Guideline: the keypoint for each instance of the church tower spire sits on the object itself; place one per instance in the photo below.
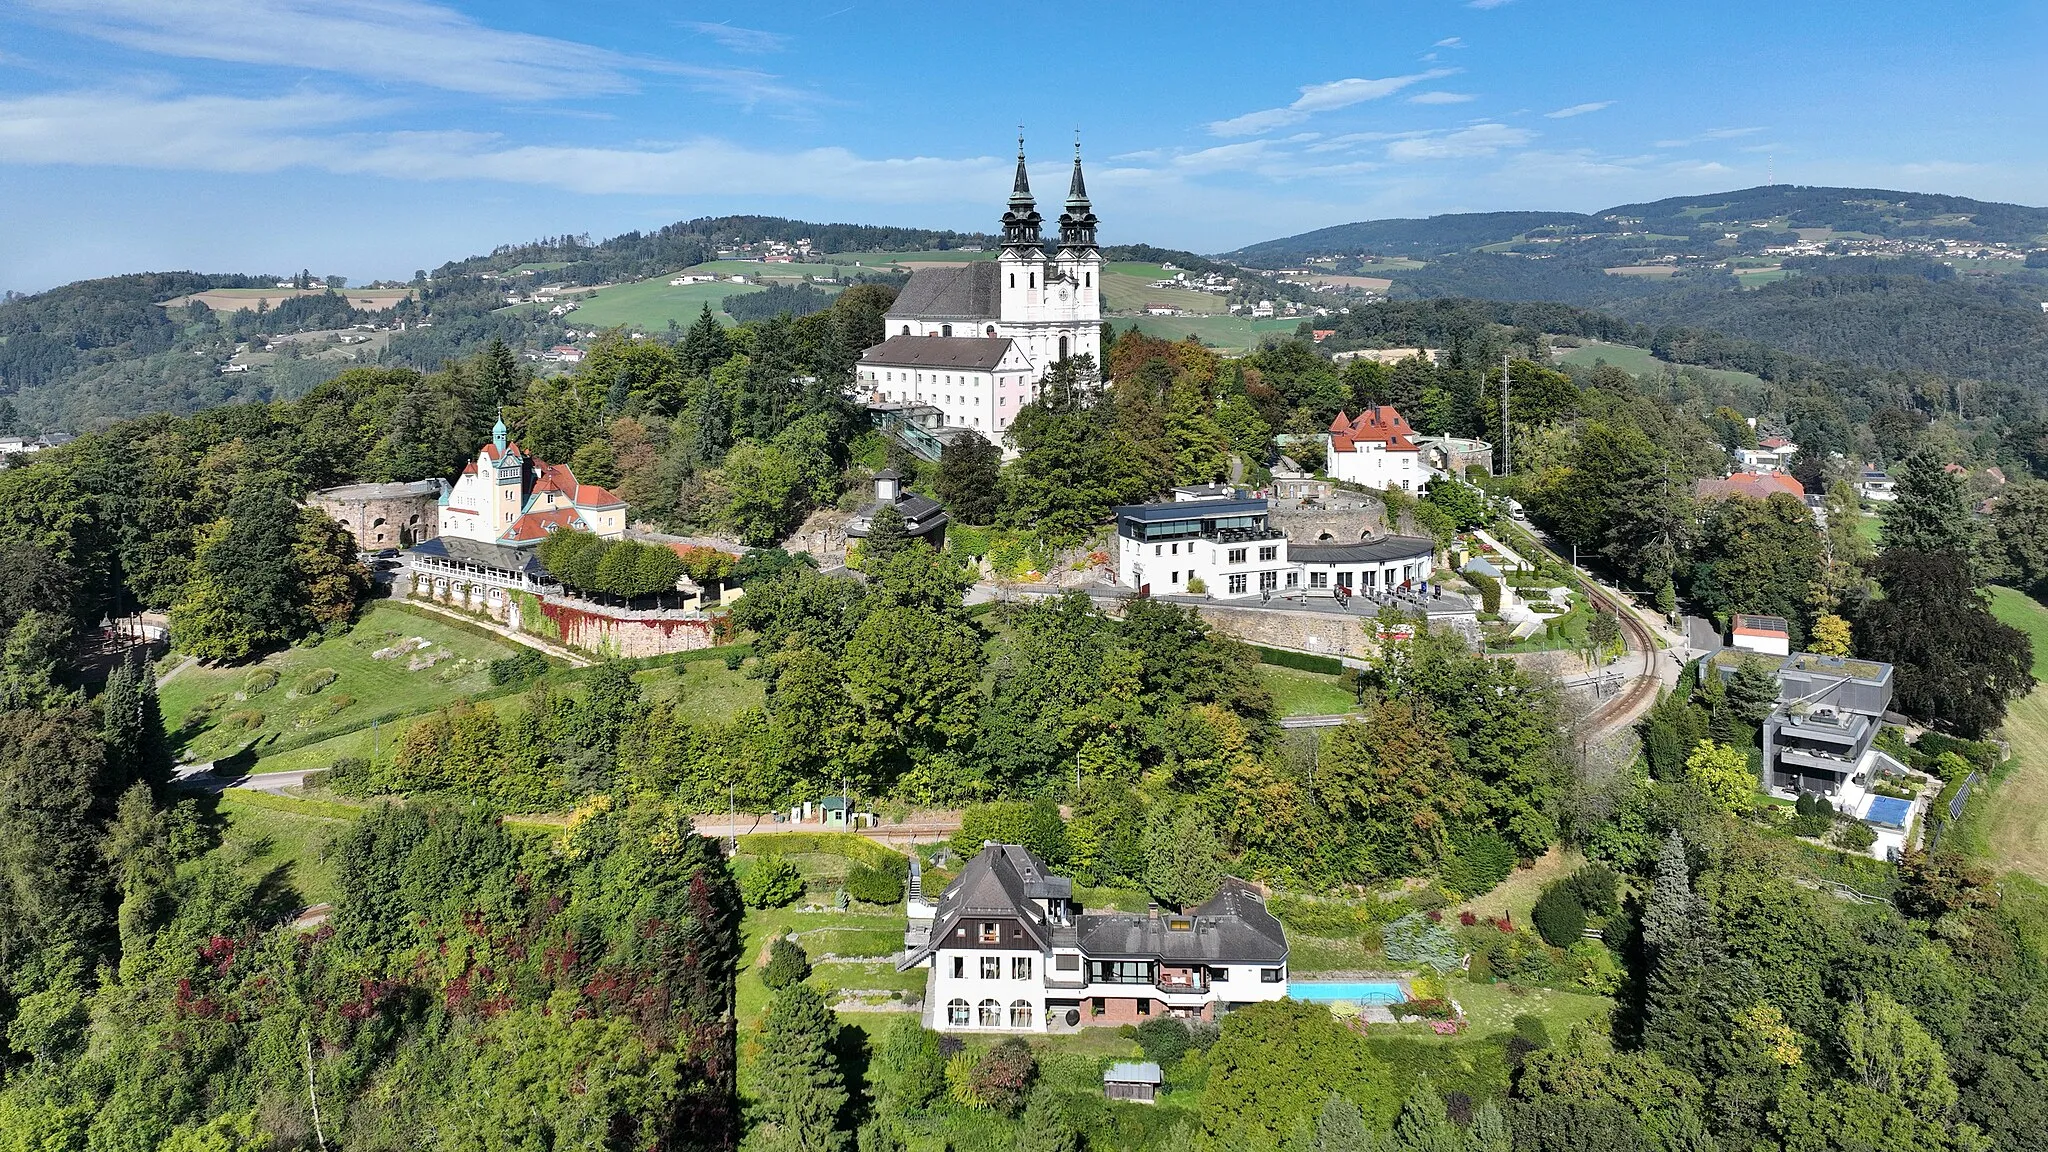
(1020, 223)
(1077, 223)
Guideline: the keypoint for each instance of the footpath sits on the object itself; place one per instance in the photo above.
(568, 656)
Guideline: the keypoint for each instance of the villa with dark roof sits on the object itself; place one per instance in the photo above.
(1008, 949)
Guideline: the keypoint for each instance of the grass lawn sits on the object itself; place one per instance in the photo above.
(1309, 955)
(217, 712)
(1301, 693)
(2015, 813)
(1127, 287)
(281, 845)
(1638, 361)
(1492, 1008)
(1868, 526)
(2027, 614)
(1517, 894)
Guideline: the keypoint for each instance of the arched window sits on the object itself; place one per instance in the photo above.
(1032, 279)
(991, 331)
(906, 329)
(1020, 1014)
(377, 523)
(945, 329)
(991, 1014)
(956, 1013)
(1087, 279)
(1063, 347)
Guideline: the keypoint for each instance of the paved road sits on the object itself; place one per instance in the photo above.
(1319, 721)
(202, 778)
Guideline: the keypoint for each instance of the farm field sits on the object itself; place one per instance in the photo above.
(212, 713)
(1760, 277)
(243, 299)
(1367, 283)
(2027, 614)
(1127, 287)
(1226, 333)
(648, 305)
(1638, 361)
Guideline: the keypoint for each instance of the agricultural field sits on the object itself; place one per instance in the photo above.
(244, 299)
(1758, 277)
(1652, 271)
(1639, 362)
(1224, 333)
(392, 663)
(1126, 287)
(648, 305)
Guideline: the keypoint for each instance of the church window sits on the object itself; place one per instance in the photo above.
(991, 331)
(906, 329)
(1033, 278)
(945, 329)
(1087, 279)
(1063, 347)
(1013, 279)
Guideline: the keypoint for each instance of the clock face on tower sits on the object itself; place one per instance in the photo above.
(1063, 295)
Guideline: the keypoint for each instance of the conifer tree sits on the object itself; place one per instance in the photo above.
(706, 345)
(1489, 1131)
(1340, 1127)
(132, 725)
(800, 1087)
(1425, 1124)
(887, 535)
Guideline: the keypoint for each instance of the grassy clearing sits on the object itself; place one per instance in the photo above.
(648, 305)
(1516, 895)
(1127, 287)
(281, 848)
(1306, 693)
(1638, 361)
(216, 712)
(2015, 813)
(1492, 1008)
(2027, 614)
(712, 691)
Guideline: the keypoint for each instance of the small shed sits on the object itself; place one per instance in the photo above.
(833, 811)
(1132, 1080)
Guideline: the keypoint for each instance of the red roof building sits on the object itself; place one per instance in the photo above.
(1755, 485)
(508, 497)
(1376, 449)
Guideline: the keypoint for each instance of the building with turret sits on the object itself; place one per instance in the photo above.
(973, 340)
(510, 498)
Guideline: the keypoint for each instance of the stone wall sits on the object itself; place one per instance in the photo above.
(620, 633)
(398, 521)
(1329, 634)
(1329, 525)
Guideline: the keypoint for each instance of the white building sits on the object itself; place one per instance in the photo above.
(1204, 541)
(1377, 450)
(1026, 310)
(1009, 950)
(508, 498)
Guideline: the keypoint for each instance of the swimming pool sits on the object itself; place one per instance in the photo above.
(1359, 991)
(1889, 811)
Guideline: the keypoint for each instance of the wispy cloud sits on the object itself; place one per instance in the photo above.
(739, 39)
(1450, 42)
(311, 130)
(1482, 139)
(1442, 98)
(1316, 98)
(1484, 4)
(392, 42)
(1709, 134)
(1580, 109)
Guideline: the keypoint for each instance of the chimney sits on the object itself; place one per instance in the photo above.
(888, 482)
(1152, 910)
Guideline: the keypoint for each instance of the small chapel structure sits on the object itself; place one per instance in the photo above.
(972, 341)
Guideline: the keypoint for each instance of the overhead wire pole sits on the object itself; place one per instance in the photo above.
(1507, 462)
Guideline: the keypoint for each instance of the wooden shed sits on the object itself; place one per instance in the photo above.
(1132, 1080)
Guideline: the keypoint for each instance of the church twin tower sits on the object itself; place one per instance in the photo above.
(1054, 304)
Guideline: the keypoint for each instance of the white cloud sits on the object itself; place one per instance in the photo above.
(1484, 4)
(1483, 139)
(1316, 98)
(387, 41)
(1450, 42)
(1441, 98)
(1580, 109)
(739, 39)
(1709, 134)
(235, 134)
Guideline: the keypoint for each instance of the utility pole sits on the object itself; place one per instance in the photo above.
(1507, 462)
(732, 821)
(314, 1097)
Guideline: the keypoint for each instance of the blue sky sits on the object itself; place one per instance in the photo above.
(373, 137)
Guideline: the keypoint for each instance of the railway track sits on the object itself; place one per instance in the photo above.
(1640, 692)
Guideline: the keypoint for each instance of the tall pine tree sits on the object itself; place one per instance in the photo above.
(800, 1087)
(132, 726)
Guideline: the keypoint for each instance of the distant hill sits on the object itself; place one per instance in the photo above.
(1675, 224)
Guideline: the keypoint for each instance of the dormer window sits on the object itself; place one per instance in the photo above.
(1180, 925)
(991, 933)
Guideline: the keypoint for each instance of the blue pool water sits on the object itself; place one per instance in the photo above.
(1358, 991)
(1888, 811)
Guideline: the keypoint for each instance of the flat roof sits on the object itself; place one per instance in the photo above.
(1189, 510)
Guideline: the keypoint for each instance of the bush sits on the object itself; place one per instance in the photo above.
(259, 681)
(1558, 915)
(772, 882)
(312, 682)
(1036, 824)
(1002, 1078)
(246, 720)
(876, 885)
(1531, 1029)
(1197, 586)
(1857, 836)
(1489, 590)
(527, 665)
(1300, 661)
(1424, 1009)
(1594, 887)
(1477, 864)
(788, 964)
(1165, 1040)
(350, 776)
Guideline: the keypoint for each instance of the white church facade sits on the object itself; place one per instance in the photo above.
(974, 340)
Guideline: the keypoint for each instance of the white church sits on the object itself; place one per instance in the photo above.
(975, 339)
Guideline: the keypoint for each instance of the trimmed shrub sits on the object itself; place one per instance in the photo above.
(312, 682)
(1477, 863)
(772, 882)
(1857, 836)
(876, 885)
(1489, 589)
(259, 681)
(788, 964)
(246, 720)
(1558, 916)
(1164, 1039)
(1300, 661)
(1594, 887)
(527, 665)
